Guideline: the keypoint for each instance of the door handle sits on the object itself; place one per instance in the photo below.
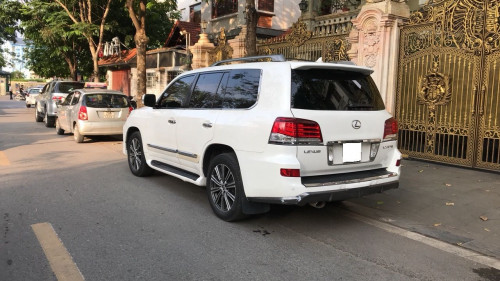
(171, 121)
(207, 125)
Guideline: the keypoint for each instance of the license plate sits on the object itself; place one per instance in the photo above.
(351, 152)
(108, 114)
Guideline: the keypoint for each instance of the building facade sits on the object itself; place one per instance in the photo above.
(14, 56)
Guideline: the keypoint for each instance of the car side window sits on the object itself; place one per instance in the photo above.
(76, 98)
(205, 91)
(242, 88)
(67, 100)
(176, 96)
(45, 89)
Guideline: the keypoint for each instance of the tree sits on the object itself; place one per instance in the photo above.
(89, 18)
(48, 28)
(9, 14)
(252, 18)
(138, 11)
(17, 75)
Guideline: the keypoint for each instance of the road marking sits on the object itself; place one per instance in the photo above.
(4, 161)
(443, 246)
(59, 259)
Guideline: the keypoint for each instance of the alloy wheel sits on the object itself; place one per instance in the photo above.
(135, 153)
(222, 187)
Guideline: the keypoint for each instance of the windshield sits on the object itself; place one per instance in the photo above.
(330, 89)
(103, 100)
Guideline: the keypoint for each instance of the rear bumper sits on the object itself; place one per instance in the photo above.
(100, 128)
(327, 196)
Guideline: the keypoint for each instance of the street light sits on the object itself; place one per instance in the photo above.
(303, 6)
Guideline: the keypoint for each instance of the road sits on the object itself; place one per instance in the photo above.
(115, 226)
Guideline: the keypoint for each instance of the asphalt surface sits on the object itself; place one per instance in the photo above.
(120, 227)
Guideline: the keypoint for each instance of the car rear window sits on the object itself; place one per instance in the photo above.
(67, 87)
(324, 89)
(106, 101)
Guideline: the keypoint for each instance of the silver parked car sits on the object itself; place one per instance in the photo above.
(52, 92)
(92, 112)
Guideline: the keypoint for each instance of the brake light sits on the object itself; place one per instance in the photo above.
(292, 173)
(295, 131)
(82, 114)
(56, 98)
(391, 129)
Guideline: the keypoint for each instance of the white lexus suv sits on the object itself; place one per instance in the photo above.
(273, 132)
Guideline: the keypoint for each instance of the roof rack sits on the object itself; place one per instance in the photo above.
(274, 58)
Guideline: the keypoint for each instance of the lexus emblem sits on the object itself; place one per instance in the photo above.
(356, 124)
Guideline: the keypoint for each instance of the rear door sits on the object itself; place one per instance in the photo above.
(351, 115)
(63, 113)
(195, 124)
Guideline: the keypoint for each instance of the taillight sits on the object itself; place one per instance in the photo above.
(295, 131)
(82, 114)
(391, 129)
(130, 110)
(295, 173)
(56, 98)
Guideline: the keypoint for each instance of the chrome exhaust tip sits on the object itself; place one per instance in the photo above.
(318, 205)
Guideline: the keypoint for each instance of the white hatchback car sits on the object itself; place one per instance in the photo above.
(31, 95)
(259, 133)
(92, 112)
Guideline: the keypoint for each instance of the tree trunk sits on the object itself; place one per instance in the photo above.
(71, 66)
(252, 18)
(95, 59)
(141, 41)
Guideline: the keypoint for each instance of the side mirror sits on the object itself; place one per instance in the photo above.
(149, 100)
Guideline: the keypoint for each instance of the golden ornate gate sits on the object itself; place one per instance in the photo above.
(448, 104)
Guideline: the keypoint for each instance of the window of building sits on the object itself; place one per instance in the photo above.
(266, 5)
(171, 75)
(150, 79)
(195, 13)
(224, 7)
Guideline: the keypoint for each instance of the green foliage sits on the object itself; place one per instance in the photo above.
(17, 75)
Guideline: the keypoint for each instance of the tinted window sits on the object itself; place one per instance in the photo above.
(67, 87)
(76, 98)
(205, 92)
(67, 100)
(177, 94)
(321, 89)
(106, 100)
(242, 88)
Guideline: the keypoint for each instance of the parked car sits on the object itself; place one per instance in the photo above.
(45, 102)
(260, 133)
(92, 112)
(31, 95)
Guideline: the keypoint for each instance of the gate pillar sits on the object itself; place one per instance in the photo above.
(201, 52)
(375, 43)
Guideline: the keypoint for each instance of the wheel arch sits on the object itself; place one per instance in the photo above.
(212, 151)
(129, 132)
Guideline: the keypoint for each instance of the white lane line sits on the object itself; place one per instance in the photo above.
(59, 259)
(443, 246)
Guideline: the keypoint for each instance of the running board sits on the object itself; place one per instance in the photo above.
(175, 170)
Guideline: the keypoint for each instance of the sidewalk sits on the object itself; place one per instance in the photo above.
(456, 205)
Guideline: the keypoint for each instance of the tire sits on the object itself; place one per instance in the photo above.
(59, 131)
(38, 118)
(76, 134)
(49, 121)
(135, 154)
(28, 105)
(225, 187)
